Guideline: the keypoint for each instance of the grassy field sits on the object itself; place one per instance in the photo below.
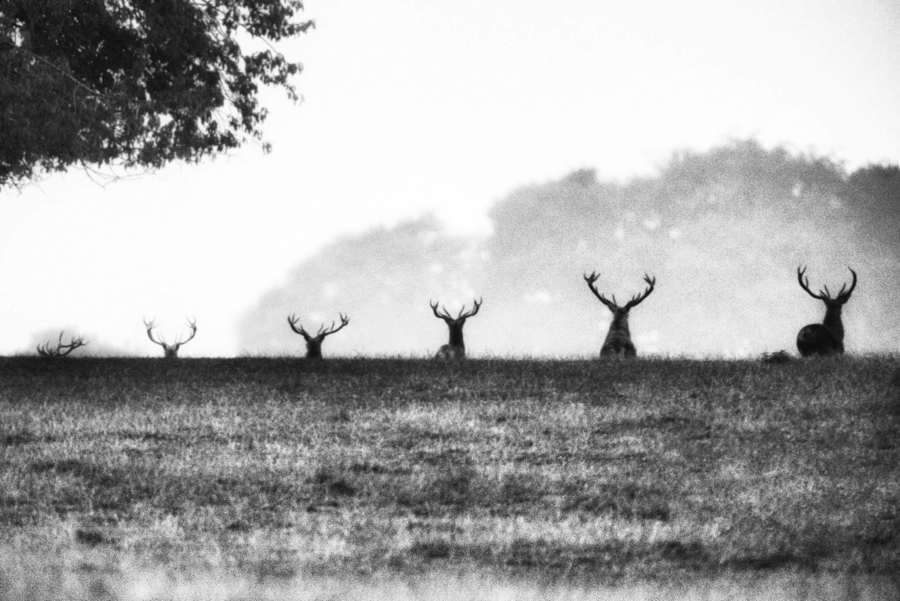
(612, 473)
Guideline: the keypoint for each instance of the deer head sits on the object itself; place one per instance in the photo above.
(827, 337)
(455, 347)
(618, 339)
(314, 343)
(170, 351)
(62, 349)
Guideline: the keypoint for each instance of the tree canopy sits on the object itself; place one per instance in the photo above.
(136, 82)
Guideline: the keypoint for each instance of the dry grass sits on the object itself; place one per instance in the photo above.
(622, 472)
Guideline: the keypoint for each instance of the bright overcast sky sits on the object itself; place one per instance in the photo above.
(413, 106)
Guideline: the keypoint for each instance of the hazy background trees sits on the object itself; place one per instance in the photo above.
(136, 83)
(723, 231)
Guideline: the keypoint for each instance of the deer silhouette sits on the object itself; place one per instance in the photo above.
(618, 338)
(314, 343)
(826, 338)
(62, 349)
(455, 347)
(170, 351)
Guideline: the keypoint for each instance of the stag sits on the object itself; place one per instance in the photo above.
(170, 351)
(314, 343)
(826, 338)
(455, 347)
(62, 349)
(618, 339)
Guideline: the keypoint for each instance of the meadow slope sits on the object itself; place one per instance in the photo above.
(613, 472)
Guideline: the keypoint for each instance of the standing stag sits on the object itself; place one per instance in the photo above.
(170, 351)
(826, 338)
(455, 347)
(618, 339)
(314, 343)
(62, 349)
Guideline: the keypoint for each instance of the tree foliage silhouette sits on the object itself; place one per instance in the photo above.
(137, 82)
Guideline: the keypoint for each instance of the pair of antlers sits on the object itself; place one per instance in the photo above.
(461, 316)
(294, 322)
(62, 349)
(611, 302)
(192, 324)
(824, 294)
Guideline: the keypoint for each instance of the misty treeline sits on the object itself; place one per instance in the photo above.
(723, 231)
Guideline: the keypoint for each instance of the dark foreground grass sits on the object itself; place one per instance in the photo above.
(612, 472)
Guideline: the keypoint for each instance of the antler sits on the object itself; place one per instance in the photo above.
(61, 350)
(591, 280)
(293, 320)
(463, 314)
(150, 325)
(804, 283)
(192, 324)
(476, 305)
(445, 315)
(842, 296)
(638, 298)
(323, 332)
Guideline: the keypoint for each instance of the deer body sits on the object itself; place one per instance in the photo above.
(618, 339)
(818, 339)
(313, 349)
(826, 338)
(314, 342)
(170, 351)
(455, 347)
(450, 352)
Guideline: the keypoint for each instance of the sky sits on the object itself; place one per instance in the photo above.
(415, 107)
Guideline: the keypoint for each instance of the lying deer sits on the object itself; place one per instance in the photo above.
(314, 343)
(618, 339)
(62, 349)
(455, 347)
(170, 351)
(826, 338)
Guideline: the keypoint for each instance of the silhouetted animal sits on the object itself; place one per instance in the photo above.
(618, 338)
(314, 343)
(455, 347)
(826, 338)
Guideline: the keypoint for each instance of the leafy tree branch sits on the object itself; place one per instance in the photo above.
(135, 82)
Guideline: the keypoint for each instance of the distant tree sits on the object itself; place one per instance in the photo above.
(139, 82)
(880, 187)
(875, 192)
